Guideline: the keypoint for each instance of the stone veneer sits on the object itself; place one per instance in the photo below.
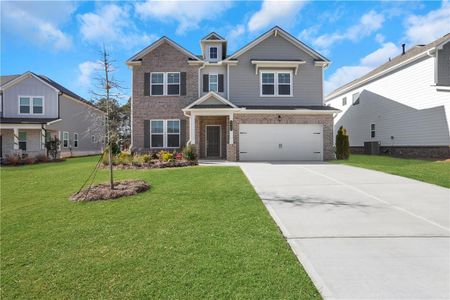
(165, 58)
(325, 119)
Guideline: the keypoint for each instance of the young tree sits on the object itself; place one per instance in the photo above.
(108, 90)
(342, 144)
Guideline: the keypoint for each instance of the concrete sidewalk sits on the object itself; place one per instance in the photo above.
(360, 234)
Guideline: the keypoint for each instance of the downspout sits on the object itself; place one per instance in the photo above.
(189, 116)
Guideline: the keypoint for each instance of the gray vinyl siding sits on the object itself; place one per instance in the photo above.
(30, 87)
(245, 84)
(214, 70)
(82, 119)
(443, 70)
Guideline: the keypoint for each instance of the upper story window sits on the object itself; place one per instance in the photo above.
(372, 130)
(213, 82)
(213, 53)
(355, 99)
(165, 84)
(344, 101)
(276, 83)
(31, 105)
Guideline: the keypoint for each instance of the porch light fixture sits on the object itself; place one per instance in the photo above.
(279, 118)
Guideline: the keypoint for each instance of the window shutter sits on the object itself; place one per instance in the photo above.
(205, 82)
(146, 133)
(183, 133)
(146, 84)
(220, 89)
(183, 83)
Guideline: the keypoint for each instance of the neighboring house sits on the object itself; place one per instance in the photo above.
(263, 102)
(35, 108)
(404, 104)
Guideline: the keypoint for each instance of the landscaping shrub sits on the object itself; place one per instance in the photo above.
(13, 159)
(41, 158)
(342, 144)
(146, 158)
(165, 155)
(28, 160)
(125, 158)
(190, 153)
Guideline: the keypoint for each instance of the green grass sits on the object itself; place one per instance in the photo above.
(200, 232)
(436, 172)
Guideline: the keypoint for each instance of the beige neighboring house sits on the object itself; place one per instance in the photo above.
(35, 108)
(262, 102)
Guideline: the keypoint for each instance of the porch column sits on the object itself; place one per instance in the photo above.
(16, 138)
(231, 129)
(192, 128)
(42, 139)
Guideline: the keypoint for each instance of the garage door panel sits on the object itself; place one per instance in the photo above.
(280, 142)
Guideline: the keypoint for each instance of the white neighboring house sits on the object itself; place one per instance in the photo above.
(403, 104)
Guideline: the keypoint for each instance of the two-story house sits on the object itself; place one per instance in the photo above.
(35, 108)
(404, 104)
(263, 102)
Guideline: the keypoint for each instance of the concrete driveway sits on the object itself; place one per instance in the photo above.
(360, 234)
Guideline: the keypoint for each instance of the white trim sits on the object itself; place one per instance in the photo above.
(293, 111)
(24, 76)
(275, 31)
(206, 139)
(206, 96)
(31, 105)
(155, 45)
(209, 53)
(75, 134)
(216, 34)
(68, 139)
(442, 88)
(165, 133)
(276, 84)
(20, 126)
(165, 84)
(374, 130)
(277, 64)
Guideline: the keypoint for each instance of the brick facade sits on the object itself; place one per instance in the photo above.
(165, 58)
(326, 120)
(200, 128)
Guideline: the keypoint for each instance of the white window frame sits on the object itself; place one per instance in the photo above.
(354, 100)
(31, 104)
(26, 140)
(165, 133)
(165, 84)
(374, 131)
(75, 139)
(344, 101)
(217, 82)
(217, 53)
(276, 72)
(63, 139)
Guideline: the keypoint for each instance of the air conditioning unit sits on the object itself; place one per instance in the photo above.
(372, 148)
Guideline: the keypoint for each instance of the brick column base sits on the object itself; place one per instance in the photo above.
(197, 150)
(231, 152)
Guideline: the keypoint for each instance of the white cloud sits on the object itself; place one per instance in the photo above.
(368, 23)
(425, 29)
(346, 74)
(187, 14)
(87, 70)
(234, 35)
(112, 24)
(38, 22)
(275, 13)
(307, 34)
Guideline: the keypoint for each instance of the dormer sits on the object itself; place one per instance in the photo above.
(214, 47)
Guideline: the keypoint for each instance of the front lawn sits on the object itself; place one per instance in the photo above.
(436, 172)
(200, 232)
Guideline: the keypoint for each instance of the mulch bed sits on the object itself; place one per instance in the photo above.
(155, 165)
(103, 192)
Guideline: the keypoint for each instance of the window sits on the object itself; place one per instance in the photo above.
(65, 139)
(24, 105)
(284, 83)
(173, 133)
(213, 53)
(157, 134)
(93, 139)
(173, 83)
(213, 82)
(22, 140)
(355, 99)
(276, 83)
(157, 84)
(344, 101)
(372, 130)
(38, 105)
(31, 105)
(165, 133)
(75, 140)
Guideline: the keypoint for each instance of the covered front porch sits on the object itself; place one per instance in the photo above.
(211, 127)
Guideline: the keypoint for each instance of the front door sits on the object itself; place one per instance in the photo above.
(212, 140)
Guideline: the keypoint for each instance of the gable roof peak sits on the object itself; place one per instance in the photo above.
(213, 36)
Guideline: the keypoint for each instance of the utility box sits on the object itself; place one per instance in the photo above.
(372, 148)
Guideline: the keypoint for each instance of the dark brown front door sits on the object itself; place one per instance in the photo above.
(213, 141)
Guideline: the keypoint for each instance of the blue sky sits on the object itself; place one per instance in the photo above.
(61, 39)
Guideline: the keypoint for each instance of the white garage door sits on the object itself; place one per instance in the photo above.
(280, 142)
